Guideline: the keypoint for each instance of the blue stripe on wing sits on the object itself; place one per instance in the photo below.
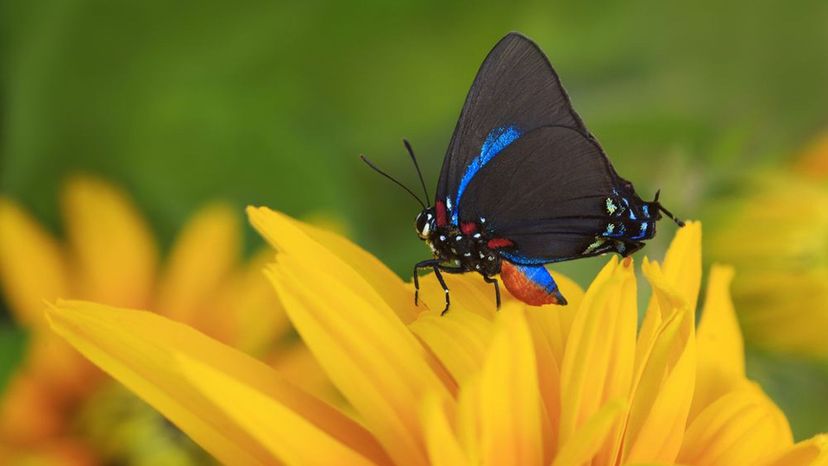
(523, 260)
(497, 140)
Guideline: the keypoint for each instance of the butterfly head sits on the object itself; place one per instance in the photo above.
(425, 223)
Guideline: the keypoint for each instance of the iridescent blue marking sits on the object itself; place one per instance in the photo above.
(646, 210)
(632, 215)
(520, 260)
(642, 231)
(610, 233)
(540, 276)
(497, 140)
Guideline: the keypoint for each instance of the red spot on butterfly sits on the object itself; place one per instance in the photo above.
(440, 210)
(498, 243)
(468, 228)
(524, 289)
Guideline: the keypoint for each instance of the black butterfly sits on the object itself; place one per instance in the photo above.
(524, 184)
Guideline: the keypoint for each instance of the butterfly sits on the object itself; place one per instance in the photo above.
(524, 183)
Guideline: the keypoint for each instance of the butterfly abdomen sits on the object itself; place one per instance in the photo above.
(531, 284)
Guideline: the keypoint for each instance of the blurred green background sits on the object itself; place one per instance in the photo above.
(270, 103)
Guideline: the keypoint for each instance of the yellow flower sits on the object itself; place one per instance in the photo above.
(777, 236)
(110, 256)
(555, 385)
(813, 162)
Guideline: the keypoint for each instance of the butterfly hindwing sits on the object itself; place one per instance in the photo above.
(546, 192)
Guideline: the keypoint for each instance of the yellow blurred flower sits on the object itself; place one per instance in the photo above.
(526, 386)
(813, 162)
(54, 409)
(777, 236)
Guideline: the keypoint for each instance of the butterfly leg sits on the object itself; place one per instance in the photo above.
(445, 288)
(496, 287)
(426, 264)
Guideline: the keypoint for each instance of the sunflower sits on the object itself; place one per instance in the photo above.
(776, 233)
(58, 408)
(553, 385)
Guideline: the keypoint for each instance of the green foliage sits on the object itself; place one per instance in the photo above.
(12, 344)
(798, 386)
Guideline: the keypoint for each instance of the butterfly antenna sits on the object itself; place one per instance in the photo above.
(667, 212)
(376, 169)
(416, 165)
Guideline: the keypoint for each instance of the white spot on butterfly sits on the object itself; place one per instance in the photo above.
(611, 207)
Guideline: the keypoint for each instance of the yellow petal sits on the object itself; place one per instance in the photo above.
(653, 464)
(55, 451)
(742, 427)
(368, 353)
(573, 293)
(811, 452)
(251, 309)
(550, 327)
(721, 360)
(467, 419)
(682, 264)
(510, 404)
(114, 253)
(28, 412)
(444, 449)
(468, 293)
(603, 334)
(459, 339)
(338, 257)
(32, 267)
(283, 432)
(296, 363)
(372, 269)
(142, 350)
(553, 323)
(662, 396)
(204, 254)
(583, 446)
(664, 303)
(65, 372)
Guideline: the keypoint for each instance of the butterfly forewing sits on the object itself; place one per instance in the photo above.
(515, 87)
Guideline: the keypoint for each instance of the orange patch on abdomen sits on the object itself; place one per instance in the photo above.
(524, 289)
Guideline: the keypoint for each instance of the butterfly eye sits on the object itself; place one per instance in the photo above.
(423, 224)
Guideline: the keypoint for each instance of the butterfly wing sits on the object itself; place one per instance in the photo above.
(515, 89)
(547, 192)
